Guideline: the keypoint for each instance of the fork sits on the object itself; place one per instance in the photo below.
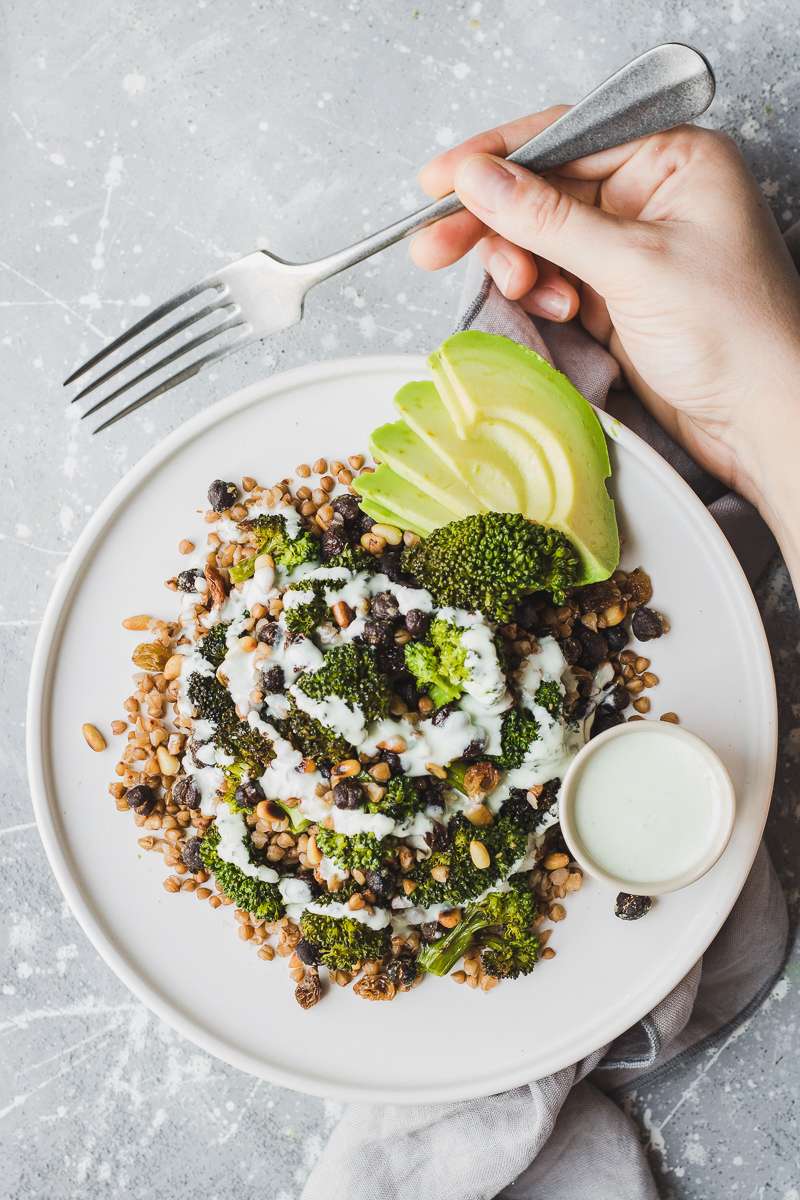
(262, 294)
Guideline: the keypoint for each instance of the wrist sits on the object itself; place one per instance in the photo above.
(776, 490)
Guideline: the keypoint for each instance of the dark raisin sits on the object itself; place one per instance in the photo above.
(617, 638)
(436, 837)
(381, 885)
(605, 718)
(384, 607)
(191, 855)
(333, 542)
(441, 714)
(430, 931)
(348, 794)
(306, 952)
(193, 748)
(187, 580)
(528, 614)
(365, 522)
(377, 633)
(619, 697)
(417, 622)
(474, 750)
(646, 625)
(267, 631)
(347, 508)
(248, 795)
(594, 647)
(402, 971)
(391, 661)
(222, 495)
(392, 761)
(631, 908)
(141, 799)
(404, 685)
(389, 563)
(572, 650)
(185, 792)
(549, 794)
(273, 680)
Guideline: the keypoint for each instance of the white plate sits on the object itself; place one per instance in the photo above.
(185, 961)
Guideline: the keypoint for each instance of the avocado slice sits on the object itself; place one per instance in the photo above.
(404, 451)
(490, 385)
(387, 493)
(505, 473)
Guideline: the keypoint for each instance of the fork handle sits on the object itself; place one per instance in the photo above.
(655, 91)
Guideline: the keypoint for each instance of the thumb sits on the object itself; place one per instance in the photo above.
(527, 210)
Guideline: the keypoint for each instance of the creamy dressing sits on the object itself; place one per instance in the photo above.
(379, 918)
(232, 848)
(645, 808)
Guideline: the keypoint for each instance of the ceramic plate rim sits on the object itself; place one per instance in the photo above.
(660, 984)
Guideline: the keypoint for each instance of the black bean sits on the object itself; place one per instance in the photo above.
(346, 507)
(273, 680)
(631, 908)
(185, 792)
(248, 795)
(333, 542)
(348, 794)
(378, 633)
(646, 625)
(222, 495)
(267, 631)
(417, 622)
(191, 855)
(605, 718)
(617, 638)
(306, 952)
(187, 580)
(384, 607)
(141, 799)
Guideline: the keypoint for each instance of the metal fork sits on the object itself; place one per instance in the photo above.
(261, 294)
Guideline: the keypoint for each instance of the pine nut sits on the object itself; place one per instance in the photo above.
(320, 466)
(171, 884)
(458, 976)
(634, 686)
(408, 886)
(670, 717)
(641, 664)
(313, 852)
(449, 920)
(94, 738)
(649, 679)
(440, 873)
(556, 860)
(304, 470)
(548, 952)
(372, 543)
(557, 912)
(479, 815)
(479, 854)
(118, 727)
(389, 533)
(167, 762)
(185, 546)
(356, 461)
(356, 901)
(342, 614)
(347, 768)
(173, 665)
(642, 705)
(574, 881)
(382, 772)
(435, 770)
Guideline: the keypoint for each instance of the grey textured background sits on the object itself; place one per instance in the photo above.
(144, 143)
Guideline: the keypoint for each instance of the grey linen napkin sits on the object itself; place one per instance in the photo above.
(563, 1136)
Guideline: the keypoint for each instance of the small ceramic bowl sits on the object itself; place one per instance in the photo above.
(577, 829)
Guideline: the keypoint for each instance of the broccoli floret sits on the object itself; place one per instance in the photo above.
(517, 731)
(213, 646)
(361, 851)
(490, 561)
(261, 899)
(355, 559)
(272, 538)
(501, 925)
(549, 695)
(439, 663)
(212, 701)
(312, 738)
(249, 747)
(341, 942)
(351, 673)
(304, 618)
(401, 800)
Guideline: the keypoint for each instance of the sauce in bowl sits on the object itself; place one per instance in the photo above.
(647, 806)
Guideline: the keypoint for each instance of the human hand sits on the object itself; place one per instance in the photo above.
(669, 255)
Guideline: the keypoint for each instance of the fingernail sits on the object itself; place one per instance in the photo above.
(550, 301)
(485, 180)
(501, 270)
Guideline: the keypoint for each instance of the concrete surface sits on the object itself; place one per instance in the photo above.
(144, 143)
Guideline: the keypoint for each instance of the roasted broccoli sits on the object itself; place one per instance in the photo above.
(245, 744)
(312, 738)
(439, 664)
(490, 561)
(213, 646)
(255, 896)
(519, 729)
(272, 538)
(361, 851)
(304, 618)
(212, 701)
(501, 925)
(355, 559)
(401, 800)
(550, 695)
(341, 942)
(350, 673)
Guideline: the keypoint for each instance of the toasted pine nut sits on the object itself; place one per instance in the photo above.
(381, 772)
(449, 920)
(479, 815)
(185, 546)
(342, 614)
(553, 861)
(670, 717)
(313, 852)
(458, 976)
(94, 738)
(118, 727)
(557, 912)
(389, 533)
(435, 770)
(641, 664)
(440, 873)
(642, 705)
(479, 854)
(167, 762)
(649, 679)
(356, 461)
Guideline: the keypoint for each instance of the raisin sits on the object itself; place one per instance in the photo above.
(348, 794)
(638, 589)
(306, 952)
(474, 750)
(606, 717)
(191, 855)
(619, 697)
(222, 495)
(441, 714)
(430, 931)
(617, 638)
(267, 631)
(379, 884)
(347, 508)
(248, 795)
(333, 542)
(646, 625)
(365, 522)
(187, 580)
(417, 622)
(141, 799)
(594, 647)
(392, 760)
(185, 792)
(273, 680)
(631, 908)
(377, 633)
(436, 837)
(389, 563)
(572, 650)
(384, 607)
(597, 596)
(402, 971)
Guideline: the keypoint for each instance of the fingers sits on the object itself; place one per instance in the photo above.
(513, 270)
(553, 297)
(445, 242)
(534, 214)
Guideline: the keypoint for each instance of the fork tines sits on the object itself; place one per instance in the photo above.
(221, 304)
